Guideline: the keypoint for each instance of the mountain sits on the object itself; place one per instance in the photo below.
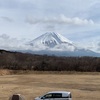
(52, 43)
(50, 39)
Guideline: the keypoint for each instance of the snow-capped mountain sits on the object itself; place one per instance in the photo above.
(55, 44)
(52, 41)
(49, 43)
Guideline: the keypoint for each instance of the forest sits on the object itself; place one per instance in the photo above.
(26, 61)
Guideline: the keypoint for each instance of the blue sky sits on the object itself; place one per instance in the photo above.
(77, 20)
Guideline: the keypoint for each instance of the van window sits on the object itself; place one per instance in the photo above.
(48, 96)
(57, 95)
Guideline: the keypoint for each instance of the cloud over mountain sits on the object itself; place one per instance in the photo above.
(62, 19)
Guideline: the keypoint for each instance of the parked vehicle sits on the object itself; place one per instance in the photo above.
(56, 95)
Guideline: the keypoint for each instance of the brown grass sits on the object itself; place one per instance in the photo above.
(5, 72)
(83, 86)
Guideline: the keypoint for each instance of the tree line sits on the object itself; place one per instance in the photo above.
(25, 61)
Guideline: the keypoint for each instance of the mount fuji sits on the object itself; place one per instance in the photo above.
(52, 43)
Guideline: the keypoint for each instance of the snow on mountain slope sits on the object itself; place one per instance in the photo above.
(52, 41)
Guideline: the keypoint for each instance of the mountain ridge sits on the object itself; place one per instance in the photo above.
(52, 43)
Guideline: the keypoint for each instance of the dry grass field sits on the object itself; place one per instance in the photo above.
(83, 86)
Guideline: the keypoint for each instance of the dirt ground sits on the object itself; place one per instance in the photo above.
(82, 86)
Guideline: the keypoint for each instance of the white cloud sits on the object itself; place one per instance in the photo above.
(4, 36)
(9, 43)
(59, 20)
(6, 19)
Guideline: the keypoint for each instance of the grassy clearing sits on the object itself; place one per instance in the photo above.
(84, 86)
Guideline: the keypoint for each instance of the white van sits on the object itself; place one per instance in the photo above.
(56, 95)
